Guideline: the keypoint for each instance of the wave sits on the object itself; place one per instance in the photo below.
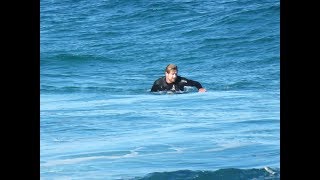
(88, 158)
(228, 173)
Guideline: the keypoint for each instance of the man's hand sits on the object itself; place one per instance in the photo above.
(202, 90)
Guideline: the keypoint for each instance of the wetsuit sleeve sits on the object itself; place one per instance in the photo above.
(156, 86)
(192, 83)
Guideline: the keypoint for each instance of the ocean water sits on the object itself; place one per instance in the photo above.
(99, 59)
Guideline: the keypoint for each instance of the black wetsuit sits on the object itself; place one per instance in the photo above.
(161, 84)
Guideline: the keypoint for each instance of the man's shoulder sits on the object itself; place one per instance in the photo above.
(182, 79)
(160, 79)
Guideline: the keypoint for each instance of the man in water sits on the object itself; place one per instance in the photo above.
(172, 82)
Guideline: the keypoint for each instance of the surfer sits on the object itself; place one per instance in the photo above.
(172, 82)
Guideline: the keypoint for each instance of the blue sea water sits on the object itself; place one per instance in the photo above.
(99, 59)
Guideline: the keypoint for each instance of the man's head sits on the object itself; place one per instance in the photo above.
(171, 72)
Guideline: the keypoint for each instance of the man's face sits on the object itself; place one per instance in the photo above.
(171, 76)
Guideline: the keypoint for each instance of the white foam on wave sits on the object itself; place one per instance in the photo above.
(83, 159)
(225, 146)
(177, 149)
(269, 170)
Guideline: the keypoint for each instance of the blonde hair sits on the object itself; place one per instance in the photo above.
(171, 67)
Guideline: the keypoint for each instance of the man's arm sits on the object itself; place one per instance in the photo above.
(189, 82)
(156, 86)
(196, 84)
